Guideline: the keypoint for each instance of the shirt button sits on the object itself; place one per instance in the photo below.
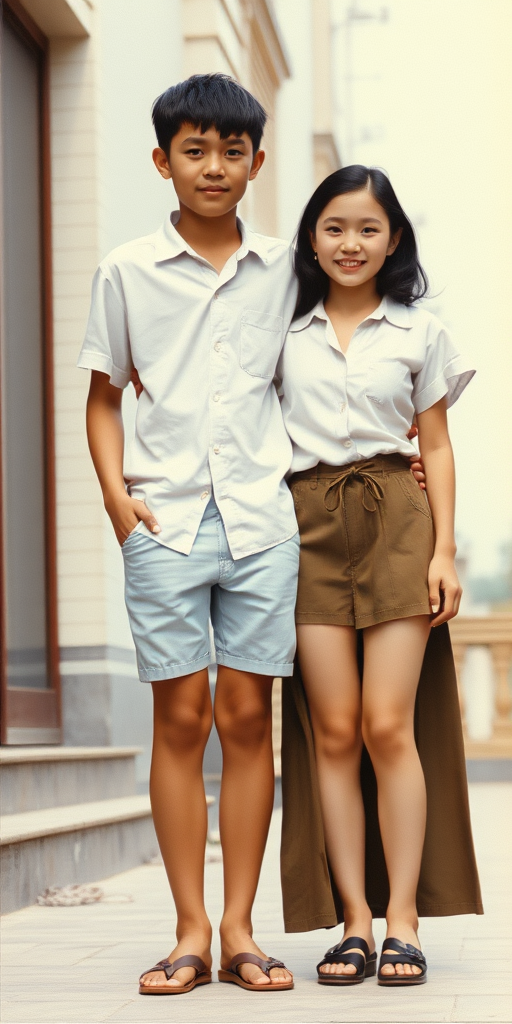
(217, 346)
(342, 407)
(204, 495)
(347, 444)
(216, 295)
(216, 398)
(216, 449)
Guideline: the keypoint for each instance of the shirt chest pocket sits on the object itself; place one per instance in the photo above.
(387, 381)
(261, 336)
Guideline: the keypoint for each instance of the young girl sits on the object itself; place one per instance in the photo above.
(360, 361)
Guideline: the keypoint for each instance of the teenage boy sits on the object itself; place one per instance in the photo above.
(204, 517)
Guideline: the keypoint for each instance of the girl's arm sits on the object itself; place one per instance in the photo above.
(436, 452)
(106, 444)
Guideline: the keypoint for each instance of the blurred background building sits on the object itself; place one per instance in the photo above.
(78, 81)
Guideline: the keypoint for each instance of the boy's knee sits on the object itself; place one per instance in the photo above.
(183, 726)
(244, 720)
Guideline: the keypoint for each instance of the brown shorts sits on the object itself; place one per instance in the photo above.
(367, 539)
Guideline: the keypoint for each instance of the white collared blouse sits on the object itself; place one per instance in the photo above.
(339, 408)
(205, 346)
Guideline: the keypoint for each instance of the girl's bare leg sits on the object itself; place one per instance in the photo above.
(243, 715)
(182, 723)
(329, 669)
(393, 655)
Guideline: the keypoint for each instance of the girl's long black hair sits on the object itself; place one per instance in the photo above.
(401, 277)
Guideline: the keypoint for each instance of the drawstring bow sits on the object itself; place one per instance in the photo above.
(372, 491)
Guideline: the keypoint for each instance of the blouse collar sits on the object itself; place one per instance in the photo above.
(394, 312)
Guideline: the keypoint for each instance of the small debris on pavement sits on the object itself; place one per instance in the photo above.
(78, 895)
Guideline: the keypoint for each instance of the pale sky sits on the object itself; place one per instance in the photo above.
(432, 105)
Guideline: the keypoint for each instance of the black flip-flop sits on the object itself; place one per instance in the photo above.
(401, 953)
(365, 965)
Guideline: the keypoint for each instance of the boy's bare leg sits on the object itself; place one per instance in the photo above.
(182, 724)
(330, 672)
(243, 715)
(393, 655)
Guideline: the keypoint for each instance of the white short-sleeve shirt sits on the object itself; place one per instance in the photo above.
(339, 408)
(205, 346)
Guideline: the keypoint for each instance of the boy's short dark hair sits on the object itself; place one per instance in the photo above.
(208, 101)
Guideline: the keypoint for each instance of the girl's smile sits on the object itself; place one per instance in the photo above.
(349, 266)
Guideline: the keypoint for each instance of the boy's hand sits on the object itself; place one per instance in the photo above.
(418, 471)
(444, 589)
(125, 513)
(417, 467)
(135, 379)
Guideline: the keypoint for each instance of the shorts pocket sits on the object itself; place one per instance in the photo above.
(297, 491)
(136, 529)
(414, 493)
(261, 337)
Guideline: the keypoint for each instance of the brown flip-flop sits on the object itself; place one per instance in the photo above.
(231, 973)
(203, 976)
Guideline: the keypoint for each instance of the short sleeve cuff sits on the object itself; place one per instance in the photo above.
(98, 361)
(450, 383)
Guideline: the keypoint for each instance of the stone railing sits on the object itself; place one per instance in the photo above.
(495, 633)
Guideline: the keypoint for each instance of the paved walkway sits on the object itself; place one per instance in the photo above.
(80, 964)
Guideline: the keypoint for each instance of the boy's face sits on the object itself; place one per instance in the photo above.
(210, 174)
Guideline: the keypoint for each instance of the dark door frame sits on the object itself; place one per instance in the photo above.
(29, 715)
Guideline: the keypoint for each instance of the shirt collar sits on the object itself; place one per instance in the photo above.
(318, 311)
(169, 243)
(253, 242)
(394, 312)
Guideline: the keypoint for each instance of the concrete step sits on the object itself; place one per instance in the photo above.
(34, 778)
(66, 845)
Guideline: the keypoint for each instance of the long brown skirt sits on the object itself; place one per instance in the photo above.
(449, 879)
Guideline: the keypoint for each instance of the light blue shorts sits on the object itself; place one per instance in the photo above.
(170, 598)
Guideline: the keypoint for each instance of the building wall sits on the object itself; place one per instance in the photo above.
(105, 191)
(294, 116)
(76, 214)
(307, 149)
(325, 146)
(268, 69)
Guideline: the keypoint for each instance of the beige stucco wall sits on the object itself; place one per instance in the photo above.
(61, 18)
(326, 155)
(76, 212)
